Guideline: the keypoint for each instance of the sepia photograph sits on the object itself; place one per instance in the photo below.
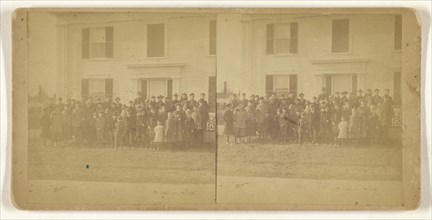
(121, 108)
(216, 109)
(309, 109)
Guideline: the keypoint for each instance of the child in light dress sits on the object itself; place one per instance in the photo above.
(159, 135)
(343, 131)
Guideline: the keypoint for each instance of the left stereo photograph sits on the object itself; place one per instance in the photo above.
(118, 107)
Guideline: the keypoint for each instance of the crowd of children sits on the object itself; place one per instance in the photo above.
(336, 118)
(148, 123)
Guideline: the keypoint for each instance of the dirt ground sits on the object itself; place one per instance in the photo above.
(309, 174)
(68, 174)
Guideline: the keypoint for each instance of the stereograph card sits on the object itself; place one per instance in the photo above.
(216, 109)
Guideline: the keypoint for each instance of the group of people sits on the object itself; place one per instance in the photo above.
(336, 118)
(179, 122)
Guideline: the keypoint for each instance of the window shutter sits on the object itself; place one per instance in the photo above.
(398, 32)
(109, 88)
(144, 88)
(328, 87)
(269, 83)
(270, 39)
(293, 83)
(212, 93)
(85, 88)
(354, 84)
(109, 43)
(169, 88)
(85, 43)
(293, 37)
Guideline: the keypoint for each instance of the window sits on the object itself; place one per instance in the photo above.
(212, 38)
(155, 40)
(97, 88)
(281, 84)
(340, 36)
(397, 32)
(282, 38)
(97, 42)
(155, 87)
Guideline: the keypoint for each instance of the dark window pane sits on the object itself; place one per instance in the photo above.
(269, 83)
(398, 32)
(155, 40)
(340, 36)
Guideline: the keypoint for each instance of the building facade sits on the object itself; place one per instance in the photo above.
(121, 54)
(305, 53)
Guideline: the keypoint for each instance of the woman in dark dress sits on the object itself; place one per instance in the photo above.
(229, 122)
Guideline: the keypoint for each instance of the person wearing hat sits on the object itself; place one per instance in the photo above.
(202, 99)
(260, 114)
(202, 117)
(228, 117)
(192, 102)
(188, 129)
(301, 101)
(243, 99)
(184, 100)
(344, 98)
(376, 97)
(180, 116)
(240, 118)
(175, 100)
(169, 104)
(323, 94)
(159, 102)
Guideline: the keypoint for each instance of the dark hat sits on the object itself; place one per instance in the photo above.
(175, 95)
(261, 98)
(301, 94)
(192, 94)
(168, 97)
(160, 97)
(184, 94)
(202, 93)
(360, 90)
(344, 92)
(153, 96)
(337, 92)
(376, 89)
(243, 94)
